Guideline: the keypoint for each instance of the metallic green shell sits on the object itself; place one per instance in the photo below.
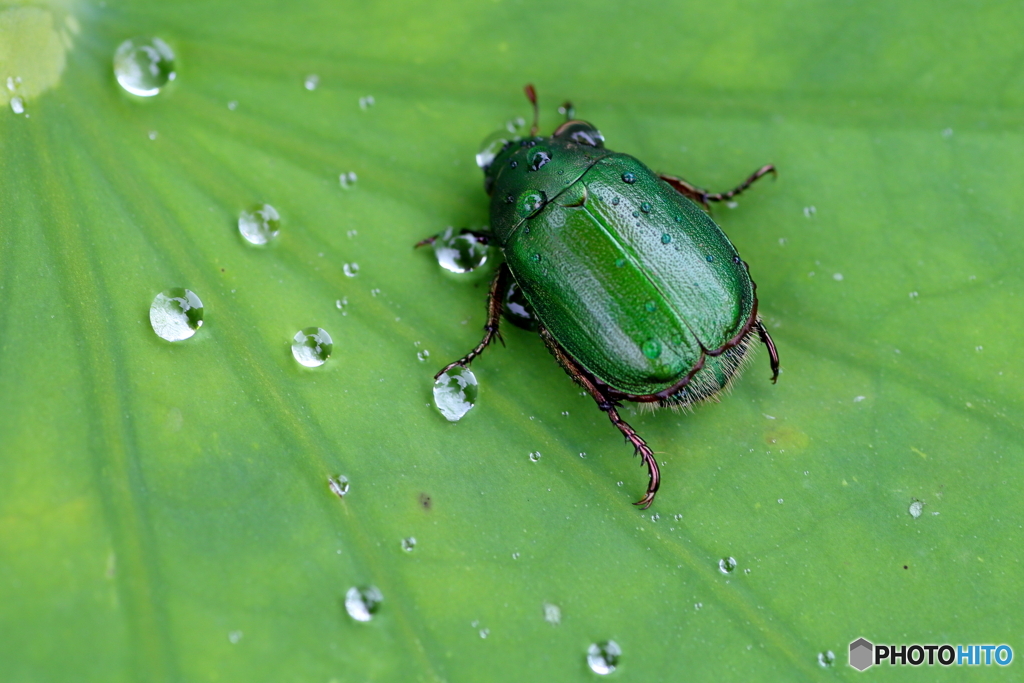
(631, 278)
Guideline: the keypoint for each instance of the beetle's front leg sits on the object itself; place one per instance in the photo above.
(606, 404)
(703, 196)
(493, 319)
(482, 237)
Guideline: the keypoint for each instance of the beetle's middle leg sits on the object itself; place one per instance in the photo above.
(606, 404)
(493, 318)
(703, 196)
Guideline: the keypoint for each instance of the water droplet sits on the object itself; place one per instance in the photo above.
(517, 309)
(826, 659)
(655, 517)
(260, 225)
(516, 126)
(459, 253)
(915, 508)
(636, 214)
(727, 565)
(17, 105)
(455, 392)
(552, 614)
(152, 135)
(347, 180)
(565, 413)
(350, 269)
(677, 517)
(615, 201)
(651, 348)
(538, 158)
(698, 606)
(603, 657)
(144, 65)
(618, 483)
(536, 258)
(645, 207)
(362, 603)
(838, 277)
(408, 544)
(530, 203)
(620, 262)
(312, 346)
(423, 355)
(338, 485)
(233, 105)
(628, 178)
(709, 258)
(651, 306)
(484, 632)
(374, 292)
(534, 456)
(234, 637)
(809, 211)
(979, 348)
(176, 314)
(311, 82)
(666, 238)
(583, 455)
(913, 295)
(341, 303)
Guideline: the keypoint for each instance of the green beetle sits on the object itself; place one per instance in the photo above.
(637, 293)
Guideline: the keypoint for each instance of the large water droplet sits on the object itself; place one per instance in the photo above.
(538, 158)
(603, 657)
(312, 346)
(144, 65)
(176, 314)
(362, 603)
(651, 348)
(455, 393)
(530, 203)
(259, 225)
(727, 565)
(517, 309)
(338, 485)
(491, 147)
(459, 253)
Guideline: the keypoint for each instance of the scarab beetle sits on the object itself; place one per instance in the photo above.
(634, 289)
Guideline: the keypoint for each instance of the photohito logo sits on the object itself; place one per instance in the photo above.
(863, 654)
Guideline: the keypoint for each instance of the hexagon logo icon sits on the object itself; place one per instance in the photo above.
(861, 652)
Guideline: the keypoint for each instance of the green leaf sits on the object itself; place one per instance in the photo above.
(164, 507)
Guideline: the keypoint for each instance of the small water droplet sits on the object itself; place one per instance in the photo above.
(348, 180)
(628, 178)
(535, 258)
(459, 252)
(583, 454)
(234, 637)
(362, 603)
(311, 82)
(603, 657)
(645, 207)
(341, 303)
(350, 269)
(312, 346)
(727, 565)
(259, 225)
(651, 348)
(338, 485)
(530, 203)
(732, 205)
(515, 556)
(915, 508)
(651, 307)
(655, 517)
(709, 258)
(620, 262)
(534, 456)
(809, 211)
(826, 659)
(144, 65)
(698, 606)
(780, 501)
(176, 314)
(455, 393)
(233, 105)
(408, 544)
(423, 355)
(552, 614)
(979, 348)
(636, 214)
(17, 105)
(666, 238)
(366, 102)
(615, 201)
(838, 277)
(947, 132)
(484, 632)
(374, 292)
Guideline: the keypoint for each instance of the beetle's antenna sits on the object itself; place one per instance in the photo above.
(531, 95)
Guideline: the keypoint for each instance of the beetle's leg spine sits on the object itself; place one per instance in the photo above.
(608, 406)
(773, 353)
(491, 330)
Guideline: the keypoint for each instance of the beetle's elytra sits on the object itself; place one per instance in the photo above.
(637, 293)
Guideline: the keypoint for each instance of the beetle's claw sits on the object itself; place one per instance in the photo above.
(646, 501)
(423, 243)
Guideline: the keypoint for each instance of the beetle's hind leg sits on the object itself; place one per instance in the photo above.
(493, 318)
(703, 196)
(608, 405)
